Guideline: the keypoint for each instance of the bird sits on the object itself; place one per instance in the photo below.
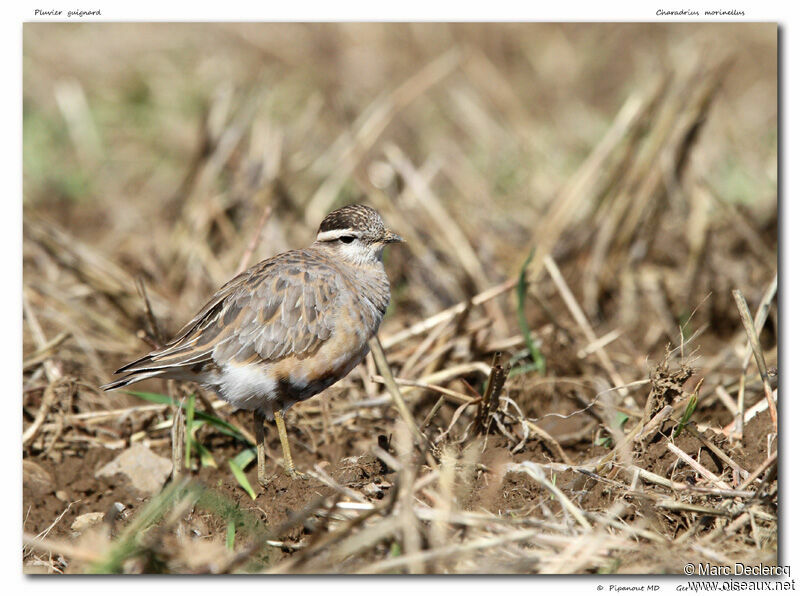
(285, 329)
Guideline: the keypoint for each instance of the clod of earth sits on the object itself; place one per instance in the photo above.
(35, 479)
(86, 521)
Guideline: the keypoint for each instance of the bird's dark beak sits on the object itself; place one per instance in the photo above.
(390, 237)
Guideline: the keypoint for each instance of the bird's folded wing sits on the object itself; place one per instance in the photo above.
(268, 313)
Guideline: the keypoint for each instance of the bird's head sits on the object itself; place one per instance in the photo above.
(356, 233)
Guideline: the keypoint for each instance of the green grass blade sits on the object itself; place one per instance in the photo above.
(230, 536)
(206, 459)
(222, 426)
(522, 291)
(245, 457)
(241, 478)
(128, 544)
(523, 369)
(189, 434)
(687, 414)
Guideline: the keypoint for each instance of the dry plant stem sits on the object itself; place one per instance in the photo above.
(44, 352)
(448, 314)
(437, 377)
(750, 413)
(178, 438)
(386, 458)
(770, 476)
(755, 345)
(455, 395)
(358, 542)
(600, 343)
(251, 248)
(635, 431)
(433, 411)
(370, 125)
(745, 227)
(43, 534)
(448, 551)
(103, 415)
(448, 228)
(64, 547)
(681, 506)
(700, 469)
(447, 477)
(422, 349)
(319, 474)
(583, 549)
(328, 539)
(260, 440)
(766, 464)
(691, 428)
(653, 478)
(491, 397)
(412, 540)
(394, 390)
(459, 410)
(535, 471)
(761, 315)
(754, 529)
(148, 310)
(654, 424)
(561, 210)
(726, 400)
(90, 266)
(740, 517)
(580, 318)
(50, 369)
(33, 430)
(550, 441)
(65, 405)
(632, 530)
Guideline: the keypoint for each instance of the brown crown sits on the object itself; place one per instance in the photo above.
(355, 217)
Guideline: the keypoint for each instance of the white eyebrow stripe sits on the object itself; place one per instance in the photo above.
(334, 234)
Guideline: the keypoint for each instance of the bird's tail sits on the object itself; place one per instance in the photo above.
(155, 365)
(130, 378)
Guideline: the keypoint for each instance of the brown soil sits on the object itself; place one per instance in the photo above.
(74, 490)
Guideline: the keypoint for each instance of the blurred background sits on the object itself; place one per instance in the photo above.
(161, 144)
(641, 157)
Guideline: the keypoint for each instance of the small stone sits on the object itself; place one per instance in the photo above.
(145, 470)
(117, 511)
(62, 496)
(373, 490)
(87, 520)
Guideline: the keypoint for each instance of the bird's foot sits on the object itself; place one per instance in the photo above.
(294, 474)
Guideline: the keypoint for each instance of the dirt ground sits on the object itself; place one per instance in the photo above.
(71, 488)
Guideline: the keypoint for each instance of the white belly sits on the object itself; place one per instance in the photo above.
(246, 387)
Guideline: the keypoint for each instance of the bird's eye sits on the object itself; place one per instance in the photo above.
(346, 239)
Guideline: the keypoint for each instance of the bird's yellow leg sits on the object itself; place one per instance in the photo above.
(258, 426)
(288, 464)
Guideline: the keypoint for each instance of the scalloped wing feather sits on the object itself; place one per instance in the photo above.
(279, 307)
